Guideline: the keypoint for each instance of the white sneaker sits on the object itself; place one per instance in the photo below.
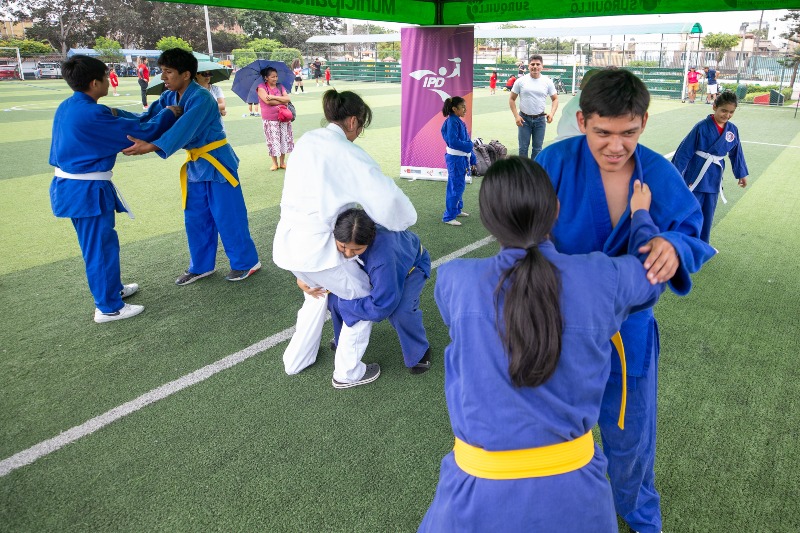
(463, 214)
(129, 290)
(453, 222)
(127, 311)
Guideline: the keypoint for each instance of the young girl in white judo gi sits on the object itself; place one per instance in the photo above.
(700, 158)
(330, 175)
(528, 362)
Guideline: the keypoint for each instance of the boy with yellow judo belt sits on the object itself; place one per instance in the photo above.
(212, 196)
(86, 139)
(593, 175)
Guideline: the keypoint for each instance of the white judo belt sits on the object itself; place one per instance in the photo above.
(710, 159)
(96, 176)
(453, 151)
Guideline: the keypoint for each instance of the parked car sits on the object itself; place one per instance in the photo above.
(8, 72)
(50, 70)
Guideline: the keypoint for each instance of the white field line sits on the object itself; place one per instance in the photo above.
(770, 144)
(48, 446)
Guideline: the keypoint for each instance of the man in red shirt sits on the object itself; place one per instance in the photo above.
(144, 78)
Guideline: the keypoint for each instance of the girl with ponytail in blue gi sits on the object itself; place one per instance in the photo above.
(700, 158)
(527, 365)
(460, 158)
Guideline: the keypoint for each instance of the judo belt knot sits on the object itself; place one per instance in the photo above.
(194, 154)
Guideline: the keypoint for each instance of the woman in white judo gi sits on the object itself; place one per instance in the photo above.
(333, 174)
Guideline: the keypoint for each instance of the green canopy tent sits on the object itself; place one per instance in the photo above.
(446, 12)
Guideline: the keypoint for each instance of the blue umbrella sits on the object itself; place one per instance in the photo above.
(248, 78)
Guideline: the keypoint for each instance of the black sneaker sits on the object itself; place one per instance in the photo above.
(191, 277)
(372, 373)
(239, 275)
(424, 364)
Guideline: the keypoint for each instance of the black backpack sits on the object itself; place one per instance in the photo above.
(486, 154)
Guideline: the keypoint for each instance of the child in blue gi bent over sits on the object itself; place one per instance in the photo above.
(700, 158)
(213, 204)
(398, 267)
(460, 158)
(527, 365)
(86, 139)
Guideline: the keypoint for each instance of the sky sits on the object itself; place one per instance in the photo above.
(715, 22)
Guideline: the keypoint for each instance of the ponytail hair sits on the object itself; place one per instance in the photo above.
(338, 106)
(450, 103)
(519, 207)
(354, 225)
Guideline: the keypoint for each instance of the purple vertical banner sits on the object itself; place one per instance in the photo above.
(437, 64)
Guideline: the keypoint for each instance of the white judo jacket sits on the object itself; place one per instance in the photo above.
(328, 174)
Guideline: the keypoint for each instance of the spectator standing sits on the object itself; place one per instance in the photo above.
(279, 136)
(493, 82)
(711, 84)
(692, 83)
(204, 80)
(113, 80)
(532, 119)
(327, 75)
(297, 68)
(317, 65)
(143, 73)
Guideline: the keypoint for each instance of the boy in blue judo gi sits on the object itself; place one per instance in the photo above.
(700, 158)
(398, 267)
(593, 176)
(86, 139)
(212, 196)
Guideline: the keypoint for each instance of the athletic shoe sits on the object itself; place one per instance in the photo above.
(333, 345)
(463, 214)
(372, 373)
(239, 275)
(453, 222)
(127, 311)
(191, 277)
(129, 290)
(253, 114)
(424, 364)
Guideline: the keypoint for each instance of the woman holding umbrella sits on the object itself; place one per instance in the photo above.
(279, 137)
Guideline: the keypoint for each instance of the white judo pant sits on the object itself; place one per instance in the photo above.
(348, 282)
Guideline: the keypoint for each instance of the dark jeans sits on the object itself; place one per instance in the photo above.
(531, 133)
(143, 85)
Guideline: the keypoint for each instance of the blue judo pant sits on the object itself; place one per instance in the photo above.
(406, 319)
(631, 452)
(708, 204)
(100, 249)
(456, 183)
(214, 208)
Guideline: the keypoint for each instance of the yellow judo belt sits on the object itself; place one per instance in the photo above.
(193, 154)
(530, 462)
(617, 340)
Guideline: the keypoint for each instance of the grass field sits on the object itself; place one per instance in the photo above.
(250, 448)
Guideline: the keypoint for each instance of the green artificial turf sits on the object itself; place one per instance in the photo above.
(254, 449)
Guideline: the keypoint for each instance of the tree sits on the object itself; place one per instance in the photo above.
(166, 43)
(242, 57)
(225, 41)
(792, 61)
(371, 29)
(262, 24)
(62, 23)
(265, 46)
(793, 31)
(108, 51)
(28, 47)
(287, 55)
(720, 43)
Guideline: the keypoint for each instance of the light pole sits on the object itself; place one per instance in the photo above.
(743, 29)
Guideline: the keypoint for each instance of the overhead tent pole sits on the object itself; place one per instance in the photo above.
(208, 34)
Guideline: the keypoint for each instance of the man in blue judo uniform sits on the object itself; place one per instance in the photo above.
(398, 267)
(593, 176)
(86, 139)
(212, 196)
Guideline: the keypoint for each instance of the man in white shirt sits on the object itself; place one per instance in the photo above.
(531, 118)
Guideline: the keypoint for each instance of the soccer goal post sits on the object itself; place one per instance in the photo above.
(19, 60)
